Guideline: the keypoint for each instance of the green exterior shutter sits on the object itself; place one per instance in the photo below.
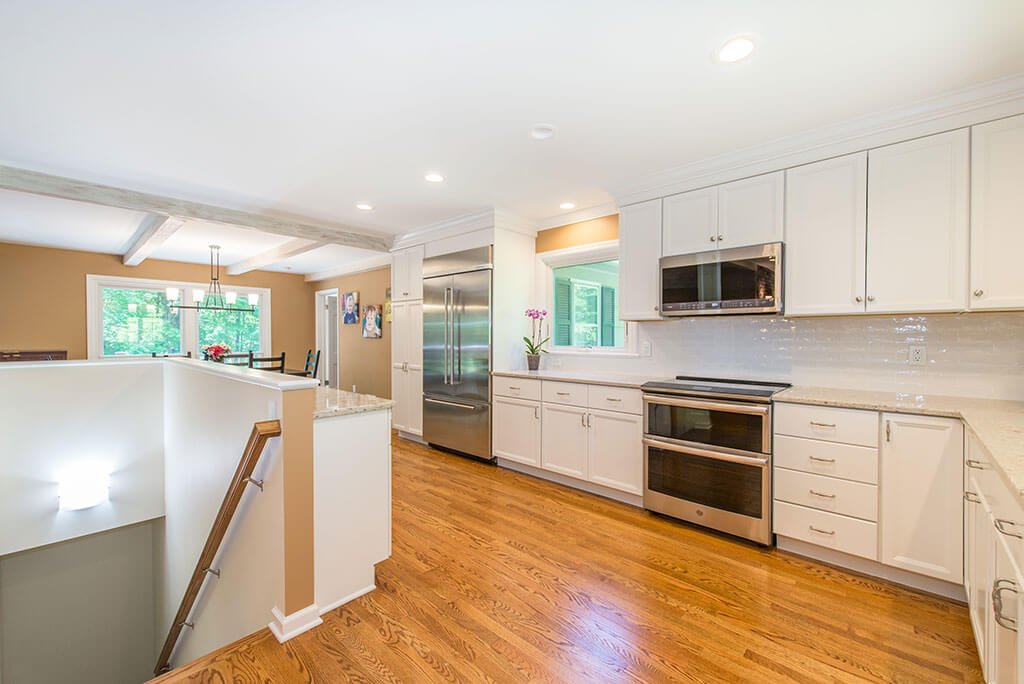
(563, 312)
(607, 316)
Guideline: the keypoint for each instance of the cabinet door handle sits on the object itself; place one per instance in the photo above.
(824, 496)
(971, 497)
(977, 465)
(583, 419)
(998, 587)
(822, 460)
(826, 425)
(888, 431)
(513, 388)
(721, 237)
(812, 528)
(1001, 523)
(978, 293)
(536, 412)
(588, 420)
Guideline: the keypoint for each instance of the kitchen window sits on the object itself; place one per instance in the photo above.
(132, 317)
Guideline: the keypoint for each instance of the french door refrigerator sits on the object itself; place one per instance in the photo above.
(457, 351)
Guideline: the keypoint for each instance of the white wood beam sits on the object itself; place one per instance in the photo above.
(371, 264)
(37, 183)
(272, 256)
(153, 232)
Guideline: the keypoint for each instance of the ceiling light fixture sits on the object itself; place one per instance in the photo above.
(433, 177)
(542, 131)
(213, 299)
(566, 205)
(735, 49)
(364, 206)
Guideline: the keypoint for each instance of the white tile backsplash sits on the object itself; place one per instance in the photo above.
(978, 354)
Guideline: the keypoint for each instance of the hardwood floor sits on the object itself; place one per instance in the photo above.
(499, 577)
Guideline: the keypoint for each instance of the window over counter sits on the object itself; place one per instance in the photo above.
(580, 288)
(134, 317)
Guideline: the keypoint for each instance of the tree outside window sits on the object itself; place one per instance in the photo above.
(137, 322)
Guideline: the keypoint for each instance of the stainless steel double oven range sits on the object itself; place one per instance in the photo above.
(708, 453)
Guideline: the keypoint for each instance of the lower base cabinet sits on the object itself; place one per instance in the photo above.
(615, 456)
(516, 430)
(564, 440)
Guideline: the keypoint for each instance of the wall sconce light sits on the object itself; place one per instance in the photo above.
(83, 486)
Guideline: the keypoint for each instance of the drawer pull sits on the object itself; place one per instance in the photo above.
(824, 496)
(977, 465)
(1001, 524)
(822, 460)
(514, 388)
(812, 528)
(612, 399)
(998, 587)
(824, 425)
(562, 394)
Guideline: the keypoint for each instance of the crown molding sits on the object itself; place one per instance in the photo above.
(371, 264)
(482, 220)
(599, 211)
(957, 109)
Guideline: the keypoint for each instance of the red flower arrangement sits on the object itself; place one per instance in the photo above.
(215, 352)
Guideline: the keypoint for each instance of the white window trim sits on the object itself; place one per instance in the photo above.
(189, 332)
(573, 256)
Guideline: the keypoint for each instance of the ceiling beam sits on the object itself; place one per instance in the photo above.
(371, 264)
(153, 232)
(37, 183)
(272, 256)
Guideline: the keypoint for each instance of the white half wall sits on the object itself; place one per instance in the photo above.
(61, 415)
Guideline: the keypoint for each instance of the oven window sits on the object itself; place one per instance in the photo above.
(707, 426)
(727, 486)
(742, 279)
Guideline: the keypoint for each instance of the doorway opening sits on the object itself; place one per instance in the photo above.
(327, 337)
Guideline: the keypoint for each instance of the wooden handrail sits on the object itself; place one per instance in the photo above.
(261, 432)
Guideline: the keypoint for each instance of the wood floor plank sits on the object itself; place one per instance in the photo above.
(496, 576)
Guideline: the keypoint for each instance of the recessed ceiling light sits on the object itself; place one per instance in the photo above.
(542, 131)
(434, 178)
(735, 49)
(566, 205)
(364, 206)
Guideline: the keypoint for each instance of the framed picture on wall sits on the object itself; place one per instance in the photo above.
(371, 321)
(350, 307)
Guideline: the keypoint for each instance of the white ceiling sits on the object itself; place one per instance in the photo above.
(302, 109)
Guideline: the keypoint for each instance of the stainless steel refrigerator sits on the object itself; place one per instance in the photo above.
(457, 351)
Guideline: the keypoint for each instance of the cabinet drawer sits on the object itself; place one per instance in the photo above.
(838, 532)
(520, 388)
(615, 399)
(826, 458)
(572, 393)
(849, 426)
(827, 493)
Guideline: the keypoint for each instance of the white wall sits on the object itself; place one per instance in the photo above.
(208, 415)
(56, 414)
(514, 269)
(79, 611)
(978, 354)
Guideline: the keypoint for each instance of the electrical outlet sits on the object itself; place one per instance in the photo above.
(645, 348)
(918, 356)
(554, 361)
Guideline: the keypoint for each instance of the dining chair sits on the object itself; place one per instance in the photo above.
(311, 367)
(275, 363)
(239, 359)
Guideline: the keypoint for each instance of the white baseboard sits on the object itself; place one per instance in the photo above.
(600, 490)
(412, 436)
(342, 601)
(284, 627)
(873, 568)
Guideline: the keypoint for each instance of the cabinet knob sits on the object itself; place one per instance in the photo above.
(713, 238)
(978, 293)
(871, 298)
(859, 298)
(655, 308)
(721, 237)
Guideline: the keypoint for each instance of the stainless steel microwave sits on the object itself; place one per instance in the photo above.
(740, 280)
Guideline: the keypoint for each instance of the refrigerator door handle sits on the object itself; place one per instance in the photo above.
(444, 349)
(456, 330)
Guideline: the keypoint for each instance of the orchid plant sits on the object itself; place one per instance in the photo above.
(216, 352)
(534, 343)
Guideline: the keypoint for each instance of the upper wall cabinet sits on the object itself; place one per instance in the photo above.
(639, 251)
(407, 274)
(918, 194)
(826, 234)
(997, 208)
(744, 212)
(750, 211)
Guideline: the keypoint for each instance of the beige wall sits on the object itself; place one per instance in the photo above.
(365, 362)
(42, 298)
(582, 233)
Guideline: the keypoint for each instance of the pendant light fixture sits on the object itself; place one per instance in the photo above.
(213, 299)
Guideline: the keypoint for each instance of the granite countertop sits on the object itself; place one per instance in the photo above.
(609, 379)
(333, 402)
(997, 423)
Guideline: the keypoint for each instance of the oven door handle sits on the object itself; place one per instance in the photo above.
(751, 409)
(706, 453)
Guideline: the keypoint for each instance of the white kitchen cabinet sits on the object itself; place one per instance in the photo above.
(407, 366)
(407, 274)
(917, 248)
(516, 430)
(979, 560)
(564, 440)
(921, 491)
(615, 450)
(997, 205)
(750, 211)
(826, 236)
(690, 222)
(639, 252)
(1005, 650)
